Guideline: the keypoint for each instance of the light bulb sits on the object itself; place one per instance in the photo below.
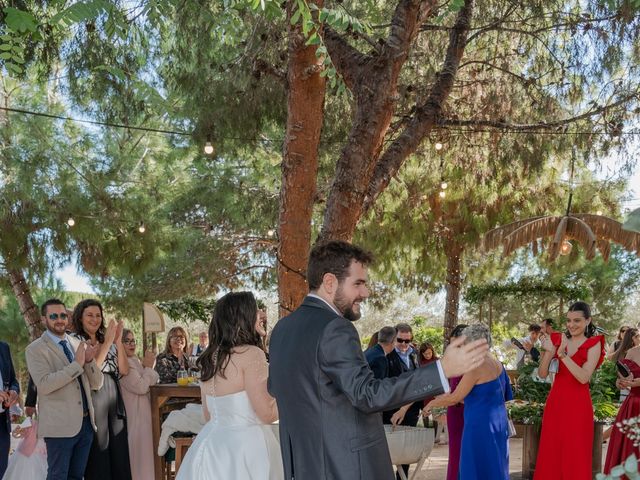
(442, 194)
(270, 233)
(438, 146)
(599, 212)
(208, 148)
(443, 185)
(424, 197)
(566, 247)
(71, 222)
(142, 228)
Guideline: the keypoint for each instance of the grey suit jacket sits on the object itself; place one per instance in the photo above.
(59, 396)
(329, 400)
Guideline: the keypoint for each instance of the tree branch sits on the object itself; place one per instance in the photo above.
(349, 61)
(426, 114)
(523, 127)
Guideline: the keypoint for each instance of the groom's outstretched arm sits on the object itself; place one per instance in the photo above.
(341, 359)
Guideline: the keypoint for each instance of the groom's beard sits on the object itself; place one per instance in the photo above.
(345, 307)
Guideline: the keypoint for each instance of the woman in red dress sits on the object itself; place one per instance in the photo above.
(566, 441)
(621, 447)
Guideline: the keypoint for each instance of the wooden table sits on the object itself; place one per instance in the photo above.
(159, 396)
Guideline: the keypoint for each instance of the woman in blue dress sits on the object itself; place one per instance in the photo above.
(485, 437)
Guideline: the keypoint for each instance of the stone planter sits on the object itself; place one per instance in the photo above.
(531, 440)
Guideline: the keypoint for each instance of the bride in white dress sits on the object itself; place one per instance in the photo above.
(237, 442)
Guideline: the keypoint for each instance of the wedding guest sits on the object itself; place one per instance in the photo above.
(427, 354)
(403, 358)
(455, 419)
(546, 328)
(109, 455)
(65, 373)
(135, 392)
(173, 358)
(203, 342)
(377, 355)
(8, 398)
(616, 344)
(527, 345)
(485, 439)
(566, 439)
(621, 446)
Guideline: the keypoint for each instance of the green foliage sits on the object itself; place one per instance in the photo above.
(525, 287)
(188, 310)
(432, 335)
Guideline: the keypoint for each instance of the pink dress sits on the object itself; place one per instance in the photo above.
(135, 392)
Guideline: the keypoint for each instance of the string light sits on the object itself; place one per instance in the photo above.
(208, 146)
(71, 222)
(442, 194)
(443, 185)
(270, 233)
(142, 228)
(599, 212)
(438, 146)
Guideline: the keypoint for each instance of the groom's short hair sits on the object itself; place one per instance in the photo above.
(334, 257)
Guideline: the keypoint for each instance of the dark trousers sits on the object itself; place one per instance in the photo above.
(67, 457)
(5, 443)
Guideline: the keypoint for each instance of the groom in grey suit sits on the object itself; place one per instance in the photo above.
(328, 399)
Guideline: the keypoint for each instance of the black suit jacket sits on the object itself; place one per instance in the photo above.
(396, 368)
(328, 398)
(377, 360)
(9, 380)
(32, 394)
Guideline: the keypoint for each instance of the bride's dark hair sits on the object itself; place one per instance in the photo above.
(233, 324)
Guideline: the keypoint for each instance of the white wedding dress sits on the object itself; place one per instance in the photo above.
(234, 444)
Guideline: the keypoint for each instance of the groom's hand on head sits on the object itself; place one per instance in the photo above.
(459, 358)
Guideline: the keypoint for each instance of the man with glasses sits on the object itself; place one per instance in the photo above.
(64, 372)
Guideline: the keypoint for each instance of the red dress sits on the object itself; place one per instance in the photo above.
(566, 440)
(620, 447)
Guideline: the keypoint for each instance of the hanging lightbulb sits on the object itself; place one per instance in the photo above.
(438, 146)
(208, 148)
(71, 222)
(566, 247)
(442, 194)
(270, 233)
(599, 212)
(142, 228)
(424, 197)
(443, 185)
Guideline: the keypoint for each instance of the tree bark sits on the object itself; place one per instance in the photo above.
(453, 285)
(305, 111)
(28, 308)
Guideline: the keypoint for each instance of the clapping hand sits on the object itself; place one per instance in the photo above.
(90, 352)
(80, 353)
(110, 334)
(460, 358)
(149, 359)
(548, 345)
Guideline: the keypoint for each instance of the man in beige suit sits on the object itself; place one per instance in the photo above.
(64, 372)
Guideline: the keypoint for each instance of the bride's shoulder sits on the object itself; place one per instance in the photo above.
(248, 353)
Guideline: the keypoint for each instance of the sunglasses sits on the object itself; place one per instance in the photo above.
(55, 316)
(403, 340)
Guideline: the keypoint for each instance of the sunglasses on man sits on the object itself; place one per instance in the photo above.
(55, 316)
(403, 340)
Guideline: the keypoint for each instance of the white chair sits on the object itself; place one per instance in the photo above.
(408, 445)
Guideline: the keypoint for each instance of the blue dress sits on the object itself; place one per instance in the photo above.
(485, 439)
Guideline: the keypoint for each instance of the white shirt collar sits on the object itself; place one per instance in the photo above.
(314, 295)
(57, 339)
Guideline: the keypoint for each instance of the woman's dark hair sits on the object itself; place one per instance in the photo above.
(373, 341)
(233, 324)
(584, 307)
(457, 330)
(621, 332)
(77, 319)
(625, 345)
(427, 346)
(334, 257)
(172, 332)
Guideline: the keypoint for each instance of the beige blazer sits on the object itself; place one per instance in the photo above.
(59, 397)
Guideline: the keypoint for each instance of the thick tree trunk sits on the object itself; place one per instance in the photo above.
(453, 284)
(305, 108)
(28, 308)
